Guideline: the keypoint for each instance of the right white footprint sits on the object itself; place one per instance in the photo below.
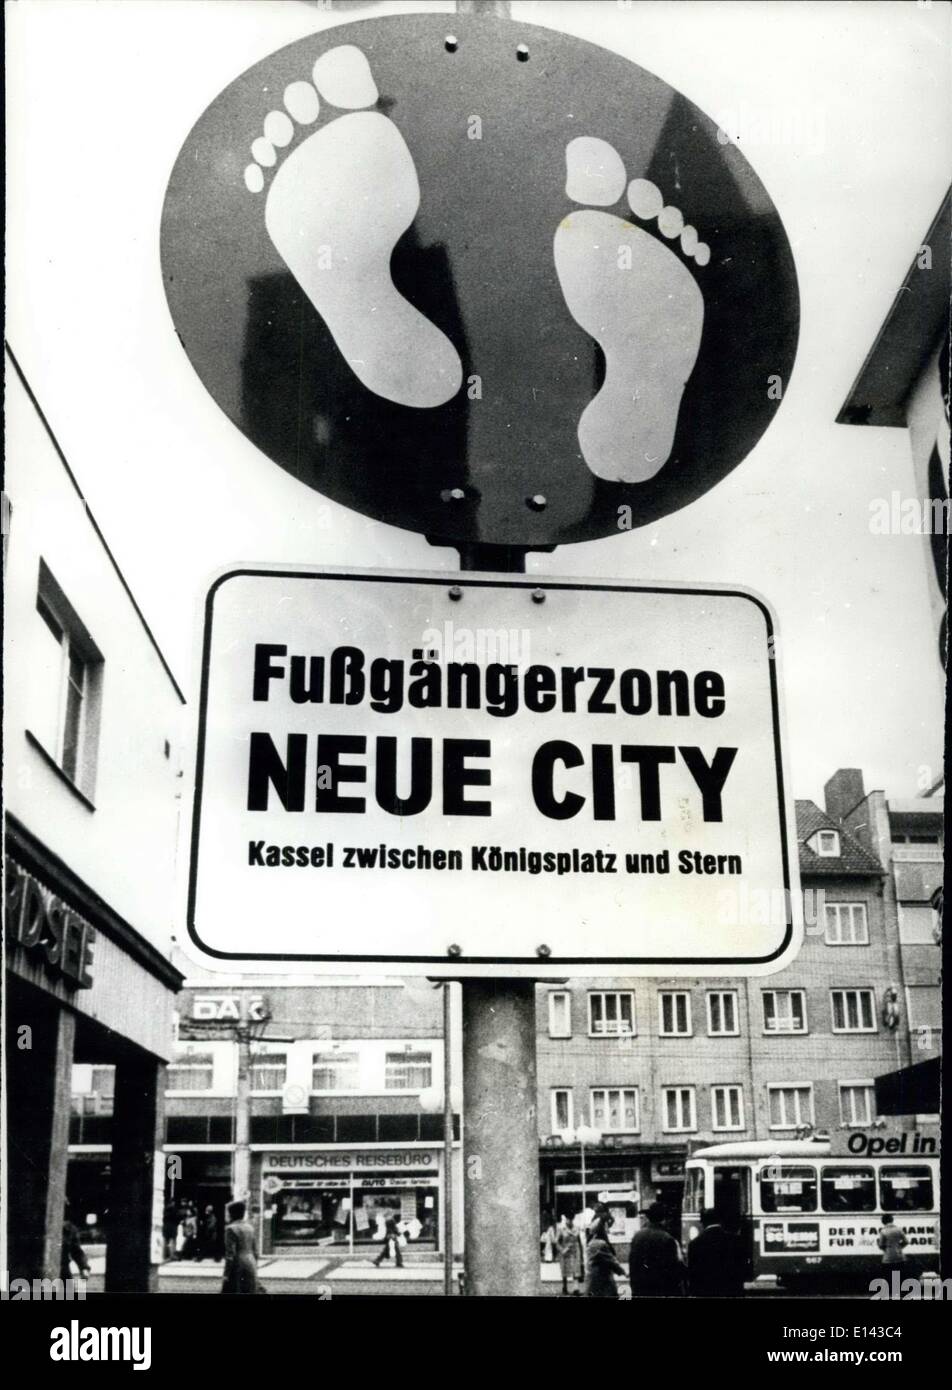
(637, 298)
(339, 198)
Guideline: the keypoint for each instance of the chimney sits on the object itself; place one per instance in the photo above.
(843, 792)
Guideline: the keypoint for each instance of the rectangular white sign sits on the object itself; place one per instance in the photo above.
(491, 774)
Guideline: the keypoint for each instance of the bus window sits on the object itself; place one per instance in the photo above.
(694, 1190)
(848, 1189)
(786, 1188)
(905, 1189)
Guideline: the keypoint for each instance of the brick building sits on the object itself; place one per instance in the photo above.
(659, 1068)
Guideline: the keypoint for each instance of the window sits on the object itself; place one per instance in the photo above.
(560, 1013)
(847, 1189)
(679, 1108)
(854, 1011)
(269, 1070)
(674, 1011)
(918, 924)
(785, 1011)
(924, 1003)
(335, 1071)
(192, 1070)
(722, 1013)
(790, 1106)
(857, 1102)
(905, 1189)
(846, 924)
(561, 1109)
(64, 708)
(408, 1071)
(611, 1015)
(615, 1110)
(826, 843)
(787, 1188)
(727, 1107)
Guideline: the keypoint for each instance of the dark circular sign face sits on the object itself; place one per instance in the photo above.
(479, 279)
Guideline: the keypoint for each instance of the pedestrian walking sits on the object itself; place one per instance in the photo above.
(601, 1223)
(189, 1249)
(716, 1262)
(567, 1251)
(602, 1268)
(892, 1242)
(170, 1223)
(241, 1253)
(548, 1239)
(654, 1260)
(72, 1250)
(391, 1243)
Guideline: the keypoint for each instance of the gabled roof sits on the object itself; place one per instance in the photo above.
(853, 857)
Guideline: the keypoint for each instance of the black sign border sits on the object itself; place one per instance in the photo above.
(446, 580)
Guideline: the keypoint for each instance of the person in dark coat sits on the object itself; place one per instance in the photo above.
(208, 1234)
(391, 1243)
(72, 1250)
(717, 1265)
(241, 1252)
(602, 1268)
(654, 1259)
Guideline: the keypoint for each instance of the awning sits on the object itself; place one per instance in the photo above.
(911, 1091)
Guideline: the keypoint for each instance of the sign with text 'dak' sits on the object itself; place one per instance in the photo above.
(488, 774)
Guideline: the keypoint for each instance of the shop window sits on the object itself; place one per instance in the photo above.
(853, 1011)
(722, 1013)
(785, 1011)
(846, 924)
(615, 1110)
(408, 1071)
(192, 1070)
(335, 1071)
(611, 1014)
(857, 1103)
(66, 694)
(787, 1188)
(269, 1071)
(674, 1013)
(906, 1189)
(560, 1013)
(847, 1189)
(790, 1106)
(680, 1113)
(727, 1107)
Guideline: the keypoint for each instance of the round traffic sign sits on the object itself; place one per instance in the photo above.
(479, 279)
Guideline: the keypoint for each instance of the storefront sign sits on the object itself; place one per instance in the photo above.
(327, 1160)
(45, 927)
(393, 316)
(215, 1008)
(386, 764)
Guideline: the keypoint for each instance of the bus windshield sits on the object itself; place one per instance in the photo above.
(785, 1187)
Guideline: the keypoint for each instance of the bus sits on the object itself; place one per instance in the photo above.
(809, 1214)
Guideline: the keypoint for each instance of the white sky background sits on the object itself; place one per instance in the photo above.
(844, 111)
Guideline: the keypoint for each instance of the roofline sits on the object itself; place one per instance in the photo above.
(926, 297)
(92, 520)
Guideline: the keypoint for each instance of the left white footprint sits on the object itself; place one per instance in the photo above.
(336, 207)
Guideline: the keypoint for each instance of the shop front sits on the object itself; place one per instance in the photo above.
(627, 1182)
(343, 1198)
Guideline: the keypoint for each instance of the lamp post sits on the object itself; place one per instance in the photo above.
(582, 1135)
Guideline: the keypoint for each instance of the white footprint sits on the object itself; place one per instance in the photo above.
(637, 298)
(336, 207)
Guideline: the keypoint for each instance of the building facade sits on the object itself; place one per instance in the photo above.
(92, 735)
(636, 1074)
(319, 1102)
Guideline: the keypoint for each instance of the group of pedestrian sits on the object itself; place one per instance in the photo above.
(189, 1235)
(715, 1265)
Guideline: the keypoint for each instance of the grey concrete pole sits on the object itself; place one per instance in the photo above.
(242, 1169)
(500, 1138)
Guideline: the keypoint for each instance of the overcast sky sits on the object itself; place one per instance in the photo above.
(844, 112)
